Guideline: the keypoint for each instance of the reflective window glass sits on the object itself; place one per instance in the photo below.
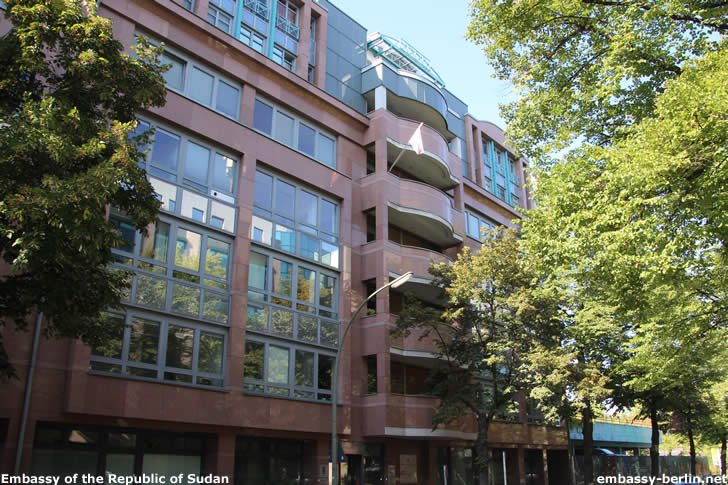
(201, 84)
(180, 341)
(187, 253)
(228, 99)
(278, 365)
(263, 117)
(166, 149)
(306, 139)
(197, 161)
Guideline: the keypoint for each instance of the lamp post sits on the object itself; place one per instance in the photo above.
(399, 281)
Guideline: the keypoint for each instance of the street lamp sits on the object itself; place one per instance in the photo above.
(395, 283)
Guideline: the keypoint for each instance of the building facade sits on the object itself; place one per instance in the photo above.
(289, 192)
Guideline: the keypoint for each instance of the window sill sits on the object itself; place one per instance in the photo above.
(155, 381)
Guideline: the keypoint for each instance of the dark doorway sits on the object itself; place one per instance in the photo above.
(534, 467)
(558, 464)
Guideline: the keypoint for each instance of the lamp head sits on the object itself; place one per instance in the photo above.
(399, 281)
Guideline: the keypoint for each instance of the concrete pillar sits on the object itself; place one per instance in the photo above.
(247, 105)
(304, 34)
(380, 98)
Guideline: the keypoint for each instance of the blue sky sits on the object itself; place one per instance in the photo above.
(437, 29)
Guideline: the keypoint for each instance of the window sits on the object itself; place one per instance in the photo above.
(254, 40)
(292, 300)
(198, 82)
(148, 347)
(487, 166)
(188, 275)
(371, 384)
(193, 165)
(188, 4)
(286, 34)
(408, 379)
(286, 370)
(500, 161)
(221, 13)
(264, 461)
(294, 132)
(295, 220)
(63, 450)
(477, 225)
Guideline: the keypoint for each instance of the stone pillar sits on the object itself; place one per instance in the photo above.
(304, 34)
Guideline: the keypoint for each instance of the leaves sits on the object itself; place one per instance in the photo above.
(68, 100)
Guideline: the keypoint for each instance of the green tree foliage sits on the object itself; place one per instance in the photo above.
(68, 99)
(488, 327)
(639, 227)
(588, 68)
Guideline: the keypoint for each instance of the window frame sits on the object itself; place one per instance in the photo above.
(189, 64)
(151, 269)
(252, 386)
(161, 367)
(267, 298)
(297, 120)
(276, 219)
(483, 221)
(180, 178)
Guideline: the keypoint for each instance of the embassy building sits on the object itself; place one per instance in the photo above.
(289, 193)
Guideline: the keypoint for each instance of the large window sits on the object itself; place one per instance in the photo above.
(221, 13)
(292, 300)
(199, 169)
(178, 268)
(65, 449)
(254, 26)
(298, 134)
(148, 347)
(487, 166)
(266, 461)
(477, 225)
(193, 80)
(286, 370)
(295, 220)
(292, 328)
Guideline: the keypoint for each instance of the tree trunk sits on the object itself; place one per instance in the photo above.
(691, 439)
(587, 429)
(480, 464)
(722, 455)
(654, 443)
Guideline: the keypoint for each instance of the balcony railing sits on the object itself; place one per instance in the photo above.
(287, 26)
(258, 8)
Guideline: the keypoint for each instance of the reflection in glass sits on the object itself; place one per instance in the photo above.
(306, 139)
(277, 365)
(263, 117)
(210, 354)
(257, 318)
(330, 254)
(261, 230)
(201, 86)
(155, 243)
(282, 277)
(282, 322)
(216, 307)
(285, 198)
(328, 217)
(304, 368)
(285, 239)
(143, 342)
(197, 161)
(326, 291)
(253, 367)
(227, 99)
(186, 299)
(166, 149)
(329, 333)
(216, 259)
(180, 342)
(307, 328)
(257, 270)
(306, 285)
(223, 173)
(187, 254)
(307, 208)
(151, 291)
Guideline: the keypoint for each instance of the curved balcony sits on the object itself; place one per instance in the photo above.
(398, 259)
(408, 96)
(426, 212)
(433, 167)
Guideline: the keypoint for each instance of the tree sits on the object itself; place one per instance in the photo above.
(488, 326)
(68, 100)
(586, 69)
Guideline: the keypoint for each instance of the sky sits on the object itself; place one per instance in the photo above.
(437, 29)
